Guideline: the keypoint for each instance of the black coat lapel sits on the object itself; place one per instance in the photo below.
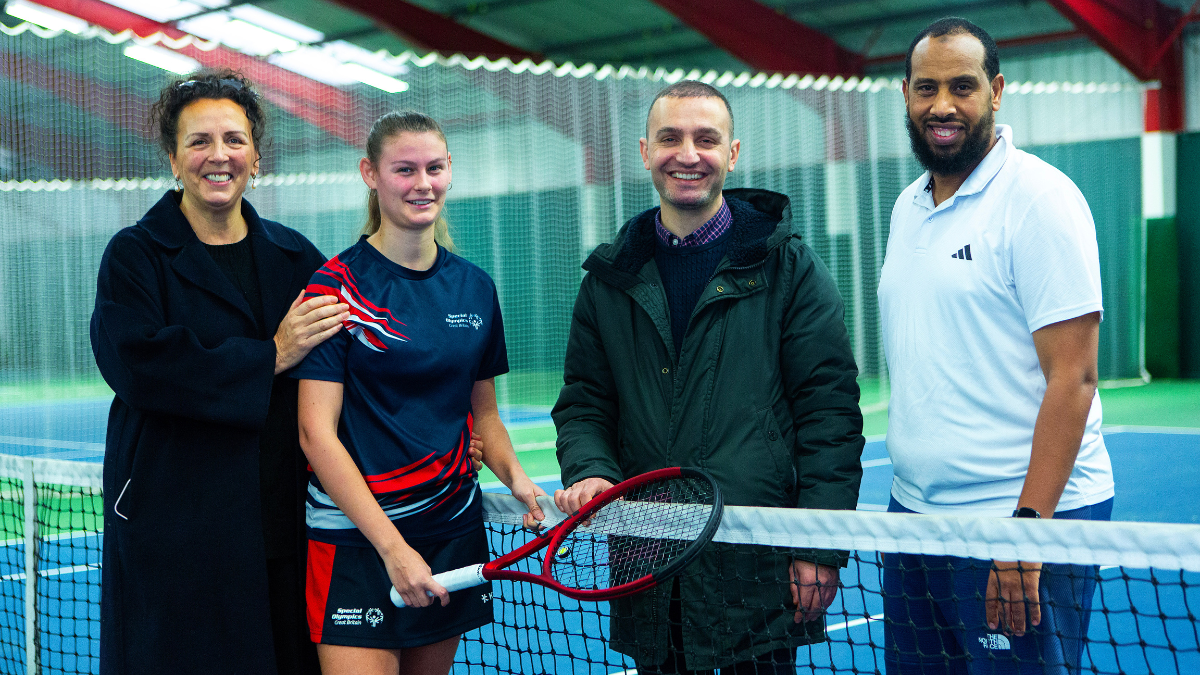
(168, 226)
(274, 278)
(275, 248)
(197, 266)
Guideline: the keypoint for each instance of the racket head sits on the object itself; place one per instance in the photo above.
(635, 535)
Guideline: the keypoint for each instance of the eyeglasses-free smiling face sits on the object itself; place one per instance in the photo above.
(214, 154)
(411, 179)
(951, 103)
(688, 150)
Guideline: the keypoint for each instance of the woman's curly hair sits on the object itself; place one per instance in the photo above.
(216, 84)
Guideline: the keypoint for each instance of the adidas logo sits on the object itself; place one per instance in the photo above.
(964, 253)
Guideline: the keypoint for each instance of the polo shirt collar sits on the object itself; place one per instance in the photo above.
(991, 164)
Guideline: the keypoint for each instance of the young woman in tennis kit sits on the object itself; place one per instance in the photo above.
(386, 411)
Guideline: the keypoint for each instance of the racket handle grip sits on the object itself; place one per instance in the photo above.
(452, 580)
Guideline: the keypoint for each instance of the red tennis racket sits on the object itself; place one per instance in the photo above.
(627, 539)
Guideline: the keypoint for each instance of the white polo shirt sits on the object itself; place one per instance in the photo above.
(963, 286)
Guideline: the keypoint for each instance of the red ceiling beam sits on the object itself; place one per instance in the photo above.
(763, 38)
(322, 105)
(1143, 36)
(435, 32)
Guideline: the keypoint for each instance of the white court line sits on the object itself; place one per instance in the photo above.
(870, 463)
(538, 424)
(549, 445)
(495, 484)
(58, 571)
(853, 623)
(1138, 429)
(51, 443)
(529, 424)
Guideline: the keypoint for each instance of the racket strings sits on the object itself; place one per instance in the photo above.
(634, 537)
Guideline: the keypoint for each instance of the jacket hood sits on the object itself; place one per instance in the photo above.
(761, 221)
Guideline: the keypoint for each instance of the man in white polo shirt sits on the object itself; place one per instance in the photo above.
(990, 302)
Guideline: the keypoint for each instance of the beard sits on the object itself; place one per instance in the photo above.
(692, 202)
(974, 147)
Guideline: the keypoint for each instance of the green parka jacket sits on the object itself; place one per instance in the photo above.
(763, 396)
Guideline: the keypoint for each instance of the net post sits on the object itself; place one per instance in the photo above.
(31, 572)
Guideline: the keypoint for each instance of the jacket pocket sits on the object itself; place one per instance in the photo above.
(772, 437)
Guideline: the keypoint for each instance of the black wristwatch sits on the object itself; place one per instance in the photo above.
(1026, 512)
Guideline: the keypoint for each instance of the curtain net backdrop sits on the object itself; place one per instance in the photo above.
(546, 166)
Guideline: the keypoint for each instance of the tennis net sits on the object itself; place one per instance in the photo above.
(1143, 618)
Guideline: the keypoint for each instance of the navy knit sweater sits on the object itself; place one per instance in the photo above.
(685, 271)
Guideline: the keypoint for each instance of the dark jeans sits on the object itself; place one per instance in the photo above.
(934, 609)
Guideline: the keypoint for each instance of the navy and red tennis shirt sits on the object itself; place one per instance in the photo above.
(409, 355)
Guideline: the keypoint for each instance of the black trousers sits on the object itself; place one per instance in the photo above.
(778, 662)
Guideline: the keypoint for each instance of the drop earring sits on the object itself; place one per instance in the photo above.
(178, 184)
(253, 181)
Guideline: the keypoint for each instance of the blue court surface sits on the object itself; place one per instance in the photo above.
(1122, 641)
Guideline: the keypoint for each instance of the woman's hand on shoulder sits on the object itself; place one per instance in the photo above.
(412, 577)
(308, 323)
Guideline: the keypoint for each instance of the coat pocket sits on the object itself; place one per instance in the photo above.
(772, 438)
(117, 504)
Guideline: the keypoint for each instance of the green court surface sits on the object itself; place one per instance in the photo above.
(1162, 403)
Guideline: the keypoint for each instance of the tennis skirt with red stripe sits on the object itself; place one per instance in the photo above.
(348, 600)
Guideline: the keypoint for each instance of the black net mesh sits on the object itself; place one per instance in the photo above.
(898, 600)
(895, 609)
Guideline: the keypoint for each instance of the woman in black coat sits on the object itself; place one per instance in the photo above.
(197, 316)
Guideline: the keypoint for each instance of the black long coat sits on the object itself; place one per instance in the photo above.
(184, 573)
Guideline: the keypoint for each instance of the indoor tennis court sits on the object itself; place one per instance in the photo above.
(542, 103)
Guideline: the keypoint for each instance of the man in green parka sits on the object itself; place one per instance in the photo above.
(708, 335)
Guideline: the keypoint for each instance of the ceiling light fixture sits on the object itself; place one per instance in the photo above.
(315, 64)
(348, 52)
(238, 34)
(252, 14)
(165, 11)
(167, 59)
(375, 78)
(45, 17)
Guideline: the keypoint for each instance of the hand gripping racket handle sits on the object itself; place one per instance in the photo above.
(453, 580)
